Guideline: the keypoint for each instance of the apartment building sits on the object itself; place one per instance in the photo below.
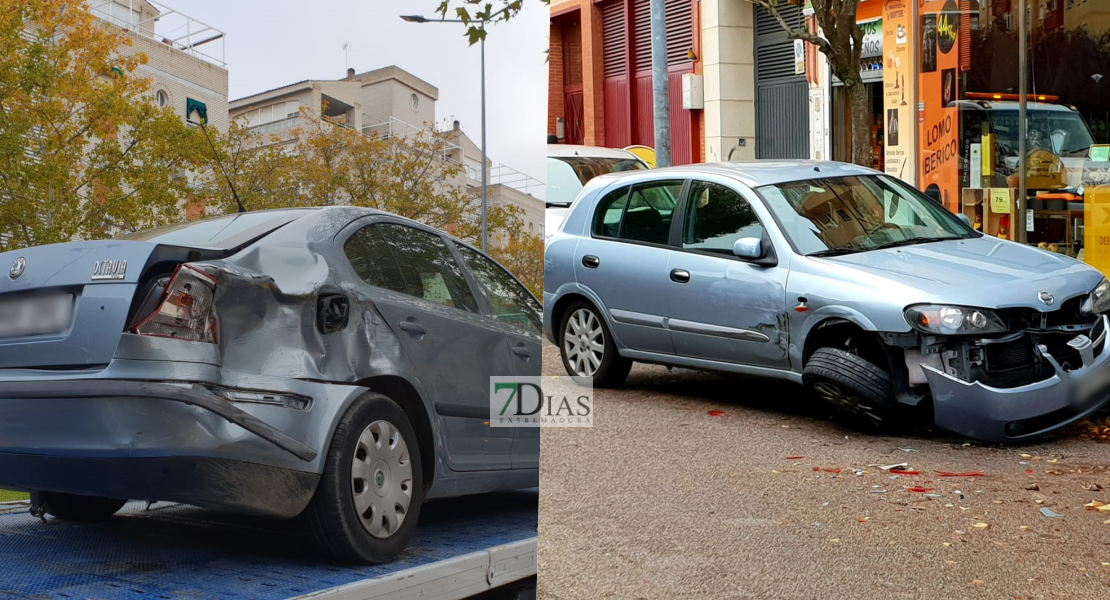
(185, 56)
(388, 102)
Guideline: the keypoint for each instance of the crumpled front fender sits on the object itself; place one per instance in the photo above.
(993, 414)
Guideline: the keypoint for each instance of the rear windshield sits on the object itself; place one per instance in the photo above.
(223, 232)
(566, 175)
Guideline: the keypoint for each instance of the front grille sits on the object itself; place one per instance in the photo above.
(1006, 356)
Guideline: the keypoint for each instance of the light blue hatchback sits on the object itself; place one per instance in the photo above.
(839, 277)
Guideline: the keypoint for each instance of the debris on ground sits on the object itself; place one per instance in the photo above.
(1096, 429)
(918, 489)
(716, 413)
(1033, 487)
(1048, 512)
(968, 474)
(894, 466)
(794, 457)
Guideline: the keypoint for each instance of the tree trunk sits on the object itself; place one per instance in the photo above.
(861, 124)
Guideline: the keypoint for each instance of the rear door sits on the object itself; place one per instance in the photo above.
(421, 292)
(520, 316)
(722, 308)
(624, 261)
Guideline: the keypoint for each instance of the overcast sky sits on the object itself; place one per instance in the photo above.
(273, 43)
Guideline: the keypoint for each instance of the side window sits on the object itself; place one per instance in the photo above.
(607, 219)
(641, 213)
(650, 209)
(716, 217)
(370, 256)
(512, 303)
(427, 268)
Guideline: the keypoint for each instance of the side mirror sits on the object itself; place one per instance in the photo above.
(749, 248)
(966, 219)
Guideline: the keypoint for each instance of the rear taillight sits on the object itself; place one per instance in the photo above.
(185, 311)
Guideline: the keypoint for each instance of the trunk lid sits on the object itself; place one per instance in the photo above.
(100, 276)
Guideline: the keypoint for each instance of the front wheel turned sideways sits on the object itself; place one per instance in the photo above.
(368, 500)
(855, 387)
(587, 348)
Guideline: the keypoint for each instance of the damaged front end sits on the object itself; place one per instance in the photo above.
(1007, 374)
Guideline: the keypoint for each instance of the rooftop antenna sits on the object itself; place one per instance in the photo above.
(200, 120)
(346, 55)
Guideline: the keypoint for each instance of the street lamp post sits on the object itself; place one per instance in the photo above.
(485, 185)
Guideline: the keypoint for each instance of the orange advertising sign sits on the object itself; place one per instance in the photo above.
(938, 115)
(898, 90)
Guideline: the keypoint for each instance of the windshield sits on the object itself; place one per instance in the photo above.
(224, 232)
(566, 175)
(855, 214)
(1063, 133)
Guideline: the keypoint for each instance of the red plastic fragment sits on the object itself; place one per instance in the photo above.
(968, 474)
(794, 457)
(832, 470)
(716, 413)
(1029, 471)
(919, 490)
(893, 472)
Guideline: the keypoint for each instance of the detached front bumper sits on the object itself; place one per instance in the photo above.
(149, 441)
(994, 415)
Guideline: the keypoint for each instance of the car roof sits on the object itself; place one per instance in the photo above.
(756, 173)
(567, 150)
(1008, 105)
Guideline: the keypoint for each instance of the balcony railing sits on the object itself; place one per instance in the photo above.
(169, 26)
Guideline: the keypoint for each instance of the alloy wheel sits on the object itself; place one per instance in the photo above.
(584, 342)
(381, 479)
(836, 396)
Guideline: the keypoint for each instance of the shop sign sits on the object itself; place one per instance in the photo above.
(1096, 228)
(898, 91)
(939, 156)
(872, 38)
(799, 57)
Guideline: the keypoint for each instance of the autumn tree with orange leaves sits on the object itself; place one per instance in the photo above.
(84, 149)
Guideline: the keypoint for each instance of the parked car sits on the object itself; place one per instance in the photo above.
(569, 167)
(332, 364)
(831, 275)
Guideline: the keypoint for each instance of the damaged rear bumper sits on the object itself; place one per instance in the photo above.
(994, 415)
(149, 441)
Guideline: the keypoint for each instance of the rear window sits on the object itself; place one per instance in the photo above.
(223, 232)
(566, 175)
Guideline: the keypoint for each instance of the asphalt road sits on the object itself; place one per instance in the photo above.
(661, 500)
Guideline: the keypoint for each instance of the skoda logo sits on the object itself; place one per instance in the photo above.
(1046, 298)
(18, 267)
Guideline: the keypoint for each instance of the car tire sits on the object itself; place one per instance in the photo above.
(608, 371)
(372, 465)
(72, 507)
(852, 385)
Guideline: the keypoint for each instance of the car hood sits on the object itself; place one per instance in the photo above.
(986, 272)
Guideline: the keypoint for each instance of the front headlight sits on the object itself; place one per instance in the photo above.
(1098, 301)
(954, 320)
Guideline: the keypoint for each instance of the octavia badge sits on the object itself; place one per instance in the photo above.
(1046, 298)
(18, 267)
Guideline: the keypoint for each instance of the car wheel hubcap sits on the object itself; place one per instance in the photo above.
(584, 343)
(381, 479)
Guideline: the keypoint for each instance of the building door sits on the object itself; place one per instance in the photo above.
(781, 96)
(572, 82)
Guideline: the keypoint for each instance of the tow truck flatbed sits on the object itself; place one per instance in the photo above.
(463, 546)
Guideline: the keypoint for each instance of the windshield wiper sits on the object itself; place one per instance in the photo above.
(905, 242)
(837, 251)
(557, 205)
(916, 240)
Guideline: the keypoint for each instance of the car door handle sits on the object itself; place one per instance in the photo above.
(680, 276)
(522, 352)
(590, 261)
(413, 326)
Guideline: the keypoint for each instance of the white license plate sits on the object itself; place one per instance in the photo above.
(35, 315)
